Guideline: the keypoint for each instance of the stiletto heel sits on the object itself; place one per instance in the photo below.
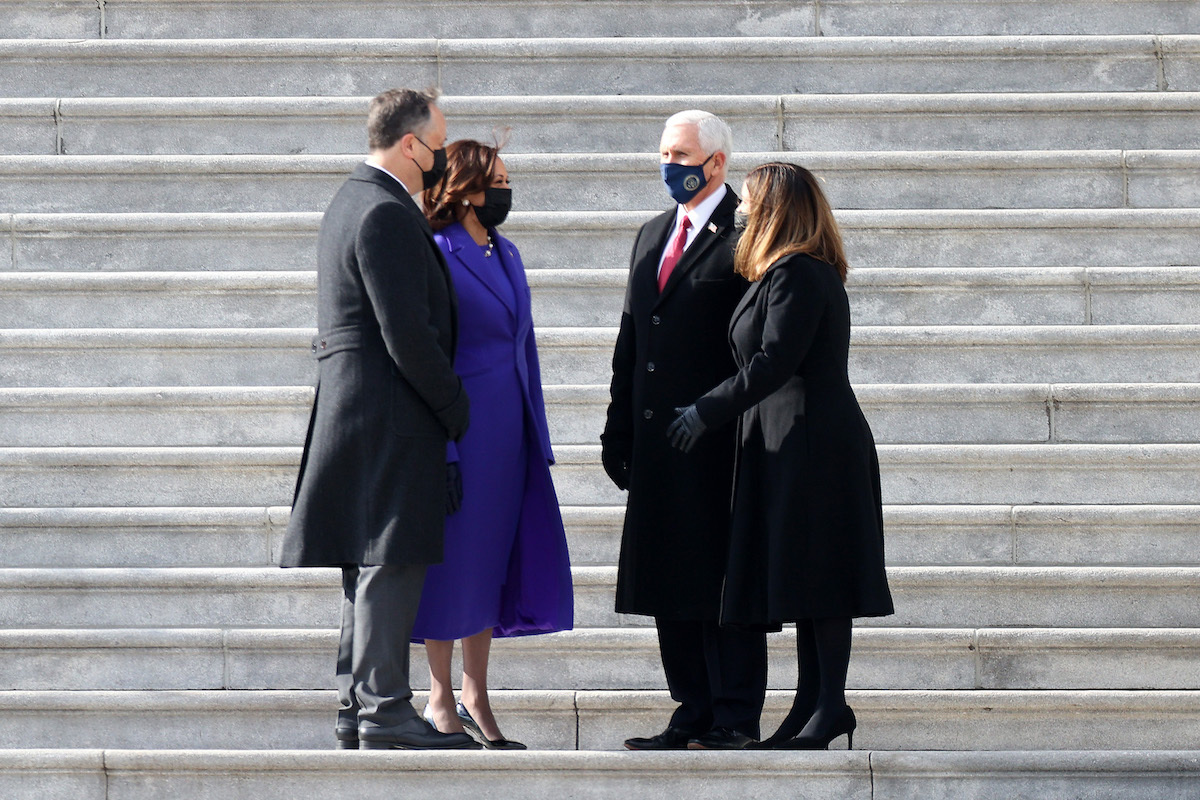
(845, 724)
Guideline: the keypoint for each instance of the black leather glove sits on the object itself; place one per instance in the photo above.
(686, 429)
(454, 489)
(615, 456)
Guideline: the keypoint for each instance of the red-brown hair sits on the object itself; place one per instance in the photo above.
(470, 167)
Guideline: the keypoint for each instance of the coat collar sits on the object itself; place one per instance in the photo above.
(717, 229)
(460, 245)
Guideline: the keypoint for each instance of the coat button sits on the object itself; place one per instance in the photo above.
(647, 414)
(655, 319)
(650, 367)
(324, 344)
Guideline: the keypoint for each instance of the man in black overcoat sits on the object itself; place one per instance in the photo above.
(673, 347)
(374, 486)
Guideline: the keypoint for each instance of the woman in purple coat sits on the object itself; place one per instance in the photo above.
(506, 570)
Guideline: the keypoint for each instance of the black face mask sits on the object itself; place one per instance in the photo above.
(496, 204)
(430, 177)
(740, 219)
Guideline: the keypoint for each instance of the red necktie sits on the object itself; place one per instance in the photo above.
(673, 254)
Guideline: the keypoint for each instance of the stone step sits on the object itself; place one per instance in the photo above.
(613, 123)
(550, 720)
(601, 659)
(913, 474)
(934, 354)
(43, 358)
(954, 597)
(919, 474)
(148, 19)
(631, 65)
(865, 775)
(268, 597)
(1096, 413)
(578, 240)
(917, 535)
(854, 180)
(898, 413)
(595, 297)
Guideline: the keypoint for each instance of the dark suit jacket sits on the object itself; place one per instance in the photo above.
(671, 349)
(371, 488)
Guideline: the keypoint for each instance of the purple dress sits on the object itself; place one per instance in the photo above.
(506, 565)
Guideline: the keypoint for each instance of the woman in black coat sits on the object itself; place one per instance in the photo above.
(806, 543)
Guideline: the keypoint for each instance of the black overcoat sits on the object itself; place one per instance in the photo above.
(672, 347)
(807, 532)
(372, 483)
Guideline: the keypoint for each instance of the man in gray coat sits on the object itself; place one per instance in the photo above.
(374, 486)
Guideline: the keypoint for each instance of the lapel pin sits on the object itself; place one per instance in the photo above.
(712, 227)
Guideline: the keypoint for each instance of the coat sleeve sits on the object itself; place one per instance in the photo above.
(397, 266)
(794, 304)
(619, 424)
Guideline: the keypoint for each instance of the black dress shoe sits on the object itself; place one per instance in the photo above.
(670, 739)
(346, 731)
(347, 738)
(415, 734)
(720, 739)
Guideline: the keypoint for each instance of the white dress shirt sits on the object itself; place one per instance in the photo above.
(699, 217)
(393, 177)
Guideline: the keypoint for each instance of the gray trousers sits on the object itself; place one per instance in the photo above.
(379, 605)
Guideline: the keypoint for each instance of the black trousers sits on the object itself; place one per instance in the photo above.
(717, 675)
(379, 605)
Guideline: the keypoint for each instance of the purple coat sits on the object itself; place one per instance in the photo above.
(506, 564)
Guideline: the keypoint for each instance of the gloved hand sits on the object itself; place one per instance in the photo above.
(454, 488)
(686, 429)
(615, 456)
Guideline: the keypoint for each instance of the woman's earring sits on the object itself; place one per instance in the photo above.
(466, 202)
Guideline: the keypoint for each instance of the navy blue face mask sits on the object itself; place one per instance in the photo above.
(684, 182)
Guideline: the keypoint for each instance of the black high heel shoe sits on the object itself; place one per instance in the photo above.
(473, 728)
(788, 729)
(845, 724)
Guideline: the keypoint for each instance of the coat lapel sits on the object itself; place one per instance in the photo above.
(515, 270)
(368, 174)
(746, 301)
(715, 230)
(645, 270)
(463, 247)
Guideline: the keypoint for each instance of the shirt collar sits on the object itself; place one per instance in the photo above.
(389, 174)
(701, 213)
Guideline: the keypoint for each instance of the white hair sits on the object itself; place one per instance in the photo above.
(715, 136)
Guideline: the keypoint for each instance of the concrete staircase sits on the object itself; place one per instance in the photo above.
(1019, 188)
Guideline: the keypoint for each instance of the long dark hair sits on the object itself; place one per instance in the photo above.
(788, 214)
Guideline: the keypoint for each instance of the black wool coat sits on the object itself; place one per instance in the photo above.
(807, 531)
(372, 483)
(671, 348)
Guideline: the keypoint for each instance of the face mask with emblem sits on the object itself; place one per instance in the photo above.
(684, 182)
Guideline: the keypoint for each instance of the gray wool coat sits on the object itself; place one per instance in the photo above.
(372, 482)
